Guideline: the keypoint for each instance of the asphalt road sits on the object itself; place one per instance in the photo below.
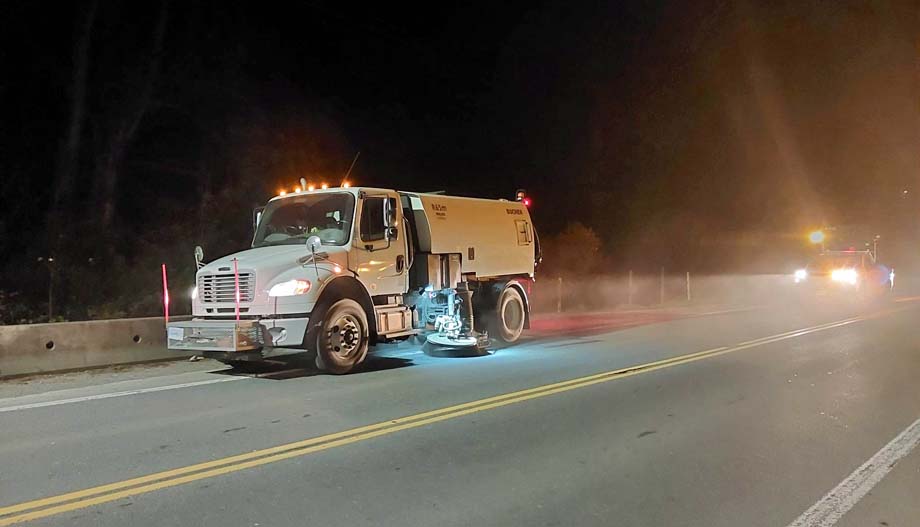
(730, 419)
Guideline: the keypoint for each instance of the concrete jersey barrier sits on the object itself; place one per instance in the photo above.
(39, 348)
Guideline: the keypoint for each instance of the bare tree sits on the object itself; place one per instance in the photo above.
(127, 124)
(68, 155)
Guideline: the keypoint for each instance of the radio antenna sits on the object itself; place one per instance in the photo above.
(353, 161)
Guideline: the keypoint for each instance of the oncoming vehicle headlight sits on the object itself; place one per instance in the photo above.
(290, 288)
(194, 293)
(849, 276)
(800, 275)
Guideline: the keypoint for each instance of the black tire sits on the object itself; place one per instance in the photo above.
(506, 322)
(342, 337)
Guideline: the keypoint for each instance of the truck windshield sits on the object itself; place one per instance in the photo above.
(290, 221)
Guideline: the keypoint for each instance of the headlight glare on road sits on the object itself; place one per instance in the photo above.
(800, 275)
(290, 288)
(849, 276)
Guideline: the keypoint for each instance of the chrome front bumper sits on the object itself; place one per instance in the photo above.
(217, 335)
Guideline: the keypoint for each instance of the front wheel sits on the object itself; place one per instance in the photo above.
(342, 339)
(507, 322)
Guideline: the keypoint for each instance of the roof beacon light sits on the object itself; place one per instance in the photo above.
(816, 236)
(521, 195)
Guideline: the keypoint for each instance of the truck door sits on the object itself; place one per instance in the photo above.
(381, 248)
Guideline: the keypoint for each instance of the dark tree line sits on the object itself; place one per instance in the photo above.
(704, 136)
(161, 145)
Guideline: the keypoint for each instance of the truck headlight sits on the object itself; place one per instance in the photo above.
(290, 288)
(849, 276)
(800, 275)
(194, 293)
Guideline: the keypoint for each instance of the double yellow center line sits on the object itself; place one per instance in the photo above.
(71, 501)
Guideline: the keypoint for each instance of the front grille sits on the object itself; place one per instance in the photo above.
(220, 287)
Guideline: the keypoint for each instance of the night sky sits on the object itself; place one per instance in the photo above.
(687, 134)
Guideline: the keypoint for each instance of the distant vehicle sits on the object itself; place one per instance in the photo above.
(848, 273)
(336, 270)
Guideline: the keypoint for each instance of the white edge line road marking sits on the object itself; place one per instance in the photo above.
(110, 384)
(85, 398)
(58, 402)
(116, 394)
(829, 509)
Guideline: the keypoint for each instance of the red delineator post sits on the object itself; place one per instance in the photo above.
(165, 295)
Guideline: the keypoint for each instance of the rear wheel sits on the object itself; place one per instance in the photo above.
(507, 323)
(342, 339)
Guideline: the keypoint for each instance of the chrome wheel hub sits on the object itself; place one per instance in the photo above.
(344, 335)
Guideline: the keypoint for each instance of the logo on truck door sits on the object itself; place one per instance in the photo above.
(440, 211)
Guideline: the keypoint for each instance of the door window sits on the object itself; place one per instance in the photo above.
(372, 227)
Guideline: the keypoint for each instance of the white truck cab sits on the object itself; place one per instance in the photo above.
(337, 270)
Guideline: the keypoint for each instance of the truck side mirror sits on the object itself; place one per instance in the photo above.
(389, 218)
(314, 244)
(389, 212)
(256, 216)
(199, 256)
